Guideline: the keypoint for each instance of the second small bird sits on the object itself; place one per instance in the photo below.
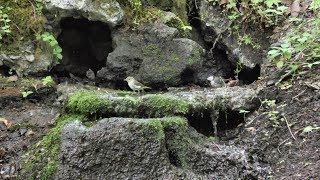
(135, 85)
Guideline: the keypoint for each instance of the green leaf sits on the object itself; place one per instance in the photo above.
(282, 9)
(280, 64)
(270, 3)
(273, 53)
(294, 68)
(26, 94)
(59, 56)
(243, 111)
(308, 129)
(48, 81)
(53, 43)
(256, 1)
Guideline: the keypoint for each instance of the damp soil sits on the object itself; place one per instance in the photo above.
(291, 152)
(291, 156)
(30, 120)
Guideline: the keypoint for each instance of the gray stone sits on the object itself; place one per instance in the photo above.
(90, 74)
(14, 57)
(30, 57)
(107, 11)
(154, 57)
(125, 148)
(24, 62)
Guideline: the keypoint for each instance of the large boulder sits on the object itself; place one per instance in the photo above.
(155, 56)
(216, 27)
(121, 148)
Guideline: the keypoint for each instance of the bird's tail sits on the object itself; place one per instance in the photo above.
(146, 87)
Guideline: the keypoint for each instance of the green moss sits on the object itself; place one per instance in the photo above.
(154, 126)
(152, 50)
(195, 57)
(40, 160)
(25, 23)
(180, 25)
(136, 14)
(90, 102)
(133, 11)
(87, 102)
(178, 141)
(164, 105)
(124, 106)
(174, 121)
(174, 132)
(158, 125)
(178, 7)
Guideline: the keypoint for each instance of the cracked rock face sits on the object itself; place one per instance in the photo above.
(107, 11)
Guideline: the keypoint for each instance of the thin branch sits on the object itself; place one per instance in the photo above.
(215, 42)
(284, 117)
(196, 4)
(278, 148)
(295, 97)
(34, 9)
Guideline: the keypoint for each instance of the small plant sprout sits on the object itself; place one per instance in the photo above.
(25, 94)
(244, 112)
(48, 81)
(53, 43)
(309, 129)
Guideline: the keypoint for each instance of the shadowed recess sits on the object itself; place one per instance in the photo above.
(248, 76)
(85, 45)
(202, 122)
(5, 70)
(228, 120)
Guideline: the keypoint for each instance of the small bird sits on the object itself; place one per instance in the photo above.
(135, 85)
(216, 82)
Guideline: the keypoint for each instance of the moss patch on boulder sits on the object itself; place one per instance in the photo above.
(40, 161)
(91, 102)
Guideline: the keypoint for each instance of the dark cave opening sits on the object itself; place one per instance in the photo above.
(85, 45)
(187, 76)
(202, 122)
(6, 70)
(248, 76)
(228, 120)
(210, 124)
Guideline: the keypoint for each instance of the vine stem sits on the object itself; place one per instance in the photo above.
(284, 117)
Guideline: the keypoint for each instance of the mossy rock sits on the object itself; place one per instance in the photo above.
(162, 105)
(91, 102)
(178, 7)
(40, 160)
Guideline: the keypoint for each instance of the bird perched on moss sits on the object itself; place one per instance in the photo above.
(216, 82)
(135, 85)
